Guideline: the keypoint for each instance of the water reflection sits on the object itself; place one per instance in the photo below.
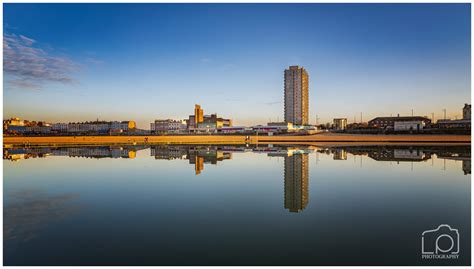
(145, 200)
(405, 153)
(296, 161)
(28, 211)
(296, 182)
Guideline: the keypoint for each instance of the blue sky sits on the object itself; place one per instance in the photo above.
(71, 62)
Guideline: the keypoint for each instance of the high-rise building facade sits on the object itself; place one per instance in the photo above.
(296, 95)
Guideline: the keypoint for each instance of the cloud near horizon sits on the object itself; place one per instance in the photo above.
(30, 66)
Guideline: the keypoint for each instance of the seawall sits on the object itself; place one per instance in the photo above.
(240, 139)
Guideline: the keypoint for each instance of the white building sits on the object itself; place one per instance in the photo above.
(168, 126)
(340, 124)
(122, 126)
(101, 126)
(59, 127)
(408, 125)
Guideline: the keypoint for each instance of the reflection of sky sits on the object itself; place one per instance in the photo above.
(27, 211)
(160, 211)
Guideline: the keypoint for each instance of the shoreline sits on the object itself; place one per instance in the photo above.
(326, 138)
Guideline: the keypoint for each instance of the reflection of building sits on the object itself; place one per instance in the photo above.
(87, 152)
(198, 164)
(201, 155)
(340, 154)
(399, 155)
(466, 167)
(296, 182)
(165, 152)
(296, 95)
(197, 155)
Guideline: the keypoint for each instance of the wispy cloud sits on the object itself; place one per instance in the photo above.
(31, 66)
(205, 60)
(273, 103)
(17, 83)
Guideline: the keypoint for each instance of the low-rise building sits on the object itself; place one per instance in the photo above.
(454, 124)
(168, 126)
(60, 127)
(15, 122)
(122, 126)
(36, 129)
(389, 122)
(340, 123)
(282, 126)
(408, 125)
(101, 127)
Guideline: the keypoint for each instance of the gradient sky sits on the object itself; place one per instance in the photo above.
(77, 62)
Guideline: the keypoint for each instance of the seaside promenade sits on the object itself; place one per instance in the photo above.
(240, 139)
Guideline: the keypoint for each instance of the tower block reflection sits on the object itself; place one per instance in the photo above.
(199, 164)
(296, 182)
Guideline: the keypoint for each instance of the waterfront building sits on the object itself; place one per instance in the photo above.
(89, 127)
(296, 182)
(168, 126)
(206, 123)
(234, 129)
(36, 129)
(454, 124)
(101, 127)
(122, 126)
(465, 123)
(59, 127)
(296, 95)
(466, 112)
(14, 122)
(340, 123)
(198, 114)
(408, 125)
(389, 122)
(282, 126)
(266, 129)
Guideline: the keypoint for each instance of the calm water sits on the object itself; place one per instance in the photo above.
(228, 205)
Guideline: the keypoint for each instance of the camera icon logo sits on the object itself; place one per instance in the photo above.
(442, 240)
